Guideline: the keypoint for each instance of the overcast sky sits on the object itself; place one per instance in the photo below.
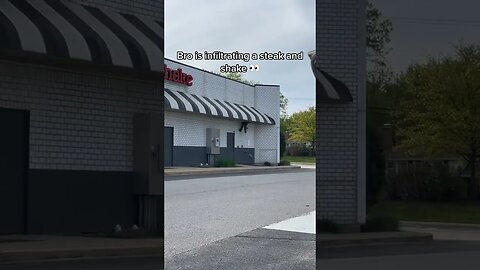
(248, 26)
(429, 27)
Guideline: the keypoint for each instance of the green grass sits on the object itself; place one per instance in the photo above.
(450, 212)
(299, 159)
(225, 163)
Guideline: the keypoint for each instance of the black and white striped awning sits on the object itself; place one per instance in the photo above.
(65, 29)
(181, 101)
(328, 88)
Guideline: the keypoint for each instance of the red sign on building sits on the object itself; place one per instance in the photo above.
(178, 76)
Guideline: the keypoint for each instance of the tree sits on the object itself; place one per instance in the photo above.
(284, 126)
(439, 112)
(379, 73)
(301, 126)
(235, 76)
(283, 106)
(379, 78)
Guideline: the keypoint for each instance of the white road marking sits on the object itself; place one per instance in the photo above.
(303, 224)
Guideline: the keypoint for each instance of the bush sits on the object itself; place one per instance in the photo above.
(225, 163)
(326, 225)
(381, 223)
(427, 183)
(300, 150)
(283, 144)
(284, 163)
(375, 166)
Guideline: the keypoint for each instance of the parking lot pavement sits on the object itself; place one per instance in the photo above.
(289, 244)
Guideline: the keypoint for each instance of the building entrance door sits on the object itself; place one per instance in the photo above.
(230, 146)
(168, 146)
(13, 170)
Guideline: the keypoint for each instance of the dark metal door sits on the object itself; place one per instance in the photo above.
(231, 146)
(168, 146)
(13, 170)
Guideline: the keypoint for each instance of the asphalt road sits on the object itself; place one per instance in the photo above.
(204, 210)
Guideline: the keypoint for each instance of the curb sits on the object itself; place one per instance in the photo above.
(27, 256)
(224, 171)
(400, 238)
(443, 225)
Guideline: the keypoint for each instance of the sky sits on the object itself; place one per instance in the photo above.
(424, 28)
(248, 26)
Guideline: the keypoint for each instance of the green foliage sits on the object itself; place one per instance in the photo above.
(224, 163)
(283, 144)
(283, 106)
(237, 76)
(381, 223)
(300, 150)
(427, 183)
(375, 166)
(300, 159)
(284, 163)
(284, 124)
(439, 112)
(234, 76)
(378, 36)
(326, 225)
(301, 127)
(378, 30)
(381, 96)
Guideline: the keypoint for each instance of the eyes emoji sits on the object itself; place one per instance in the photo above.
(254, 67)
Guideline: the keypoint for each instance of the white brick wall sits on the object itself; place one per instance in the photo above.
(265, 98)
(268, 137)
(190, 129)
(78, 121)
(81, 121)
(340, 42)
(213, 86)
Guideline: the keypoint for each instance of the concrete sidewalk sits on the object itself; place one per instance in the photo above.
(188, 171)
(21, 248)
(444, 231)
(349, 239)
(440, 225)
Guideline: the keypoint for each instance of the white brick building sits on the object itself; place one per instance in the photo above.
(68, 97)
(222, 104)
(340, 168)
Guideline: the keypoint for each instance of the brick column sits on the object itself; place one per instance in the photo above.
(340, 152)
